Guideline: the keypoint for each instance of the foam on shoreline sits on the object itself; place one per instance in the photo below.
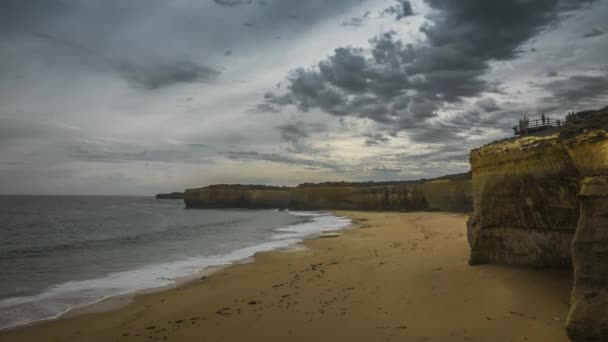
(63, 298)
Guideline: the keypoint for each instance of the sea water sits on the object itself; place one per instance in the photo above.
(62, 252)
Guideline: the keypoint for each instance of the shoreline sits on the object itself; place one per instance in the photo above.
(120, 300)
(349, 259)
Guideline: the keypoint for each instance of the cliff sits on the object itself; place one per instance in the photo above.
(445, 194)
(543, 201)
(172, 195)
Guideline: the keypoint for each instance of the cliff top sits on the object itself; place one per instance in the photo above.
(454, 177)
(448, 178)
(575, 123)
(586, 120)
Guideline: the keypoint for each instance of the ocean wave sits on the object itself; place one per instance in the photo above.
(70, 247)
(319, 222)
(59, 299)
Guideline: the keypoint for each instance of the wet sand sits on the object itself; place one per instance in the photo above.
(396, 277)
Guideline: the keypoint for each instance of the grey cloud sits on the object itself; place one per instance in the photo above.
(396, 85)
(576, 91)
(372, 139)
(163, 75)
(403, 85)
(354, 22)
(116, 151)
(593, 33)
(298, 134)
(401, 10)
(249, 156)
(434, 161)
(357, 21)
(144, 73)
(275, 99)
(384, 169)
(19, 128)
(488, 104)
(231, 3)
(264, 108)
(296, 131)
(151, 43)
(440, 154)
(346, 69)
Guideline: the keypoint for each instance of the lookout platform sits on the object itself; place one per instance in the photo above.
(532, 125)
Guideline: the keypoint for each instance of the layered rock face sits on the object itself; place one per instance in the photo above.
(525, 199)
(543, 201)
(588, 319)
(443, 195)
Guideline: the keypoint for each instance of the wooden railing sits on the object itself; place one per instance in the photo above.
(527, 125)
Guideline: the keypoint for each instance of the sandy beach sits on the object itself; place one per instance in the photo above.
(394, 277)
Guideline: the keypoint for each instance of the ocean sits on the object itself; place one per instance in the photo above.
(64, 252)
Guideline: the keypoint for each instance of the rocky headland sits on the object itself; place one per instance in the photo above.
(542, 200)
(450, 193)
(172, 195)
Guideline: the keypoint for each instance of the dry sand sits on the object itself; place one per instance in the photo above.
(398, 277)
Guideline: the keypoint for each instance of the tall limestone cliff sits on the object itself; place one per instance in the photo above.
(588, 319)
(543, 201)
(445, 194)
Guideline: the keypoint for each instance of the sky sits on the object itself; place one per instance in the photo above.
(120, 97)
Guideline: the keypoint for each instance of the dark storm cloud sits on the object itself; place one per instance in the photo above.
(401, 10)
(576, 91)
(593, 33)
(404, 85)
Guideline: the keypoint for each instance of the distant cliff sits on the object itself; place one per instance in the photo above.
(452, 193)
(543, 201)
(172, 195)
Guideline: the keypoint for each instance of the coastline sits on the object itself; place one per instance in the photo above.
(286, 237)
(399, 275)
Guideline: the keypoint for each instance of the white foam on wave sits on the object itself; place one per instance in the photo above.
(319, 222)
(61, 298)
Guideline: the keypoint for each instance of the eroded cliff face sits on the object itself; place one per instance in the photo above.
(543, 201)
(444, 195)
(588, 318)
(525, 199)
